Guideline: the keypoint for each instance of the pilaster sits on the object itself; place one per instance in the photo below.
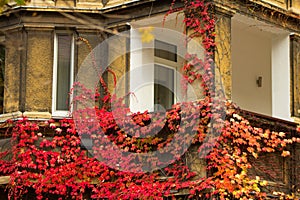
(223, 46)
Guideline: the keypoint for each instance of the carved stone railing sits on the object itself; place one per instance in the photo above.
(283, 172)
(288, 5)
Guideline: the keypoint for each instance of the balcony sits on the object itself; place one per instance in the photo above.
(284, 173)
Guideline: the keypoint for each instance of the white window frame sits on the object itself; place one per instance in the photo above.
(174, 80)
(141, 101)
(61, 113)
(173, 65)
(139, 60)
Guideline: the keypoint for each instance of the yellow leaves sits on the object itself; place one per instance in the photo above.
(257, 178)
(255, 155)
(285, 153)
(255, 187)
(288, 141)
(238, 117)
(281, 134)
(265, 134)
(146, 34)
(264, 183)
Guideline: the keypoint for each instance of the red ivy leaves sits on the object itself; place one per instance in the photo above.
(48, 156)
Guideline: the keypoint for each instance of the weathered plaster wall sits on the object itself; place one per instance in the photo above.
(79, 3)
(295, 6)
(279, 3)
(83, 49)
(65, 3)
(14, 48)
(118, 61)
(39, 70)
(223, 51)
(195, 163)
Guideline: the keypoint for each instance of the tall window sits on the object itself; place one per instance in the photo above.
(63, 71)
(163, 87)
(164, 74)
(295, 73)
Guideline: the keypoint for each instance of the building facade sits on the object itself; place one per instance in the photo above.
(44, 44)
(37, 35)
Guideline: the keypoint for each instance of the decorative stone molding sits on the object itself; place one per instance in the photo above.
(223, 46)
(29, 115)
(13, 115)
(223, 9)
(4, 180)
(37, 115)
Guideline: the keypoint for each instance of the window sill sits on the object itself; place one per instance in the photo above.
(30, 115)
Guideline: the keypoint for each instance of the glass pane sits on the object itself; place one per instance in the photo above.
(165, 50)
(163, 87)
(63, 71)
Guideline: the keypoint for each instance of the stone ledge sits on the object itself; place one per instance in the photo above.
(13, 115)
(296, 120)
(294, 10)
(37, 115)
(29, 115)
(4, 180)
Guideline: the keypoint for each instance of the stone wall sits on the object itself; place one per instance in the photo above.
(14, 52)
(279, 3)
(223, 49)
(97, 4)
(38, 83)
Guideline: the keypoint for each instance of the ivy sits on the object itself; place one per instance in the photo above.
(48, 156)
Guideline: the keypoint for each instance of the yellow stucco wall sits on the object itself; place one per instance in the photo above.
(12, 71)
(96, 4)
(39, 70)
(295, 6)
(279, 3)
(118, 63)
(223, 53)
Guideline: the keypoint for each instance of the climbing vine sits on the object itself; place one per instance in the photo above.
(47, 157)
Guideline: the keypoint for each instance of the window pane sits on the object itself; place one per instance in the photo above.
(165, 50)
(163, 87)
(63, 71)
(295, 63)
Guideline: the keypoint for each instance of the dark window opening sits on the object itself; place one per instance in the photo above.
(64, 56)
(165, 50)
(163, 87)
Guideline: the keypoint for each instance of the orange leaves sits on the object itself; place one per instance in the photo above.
(285, 153)
(268, 149)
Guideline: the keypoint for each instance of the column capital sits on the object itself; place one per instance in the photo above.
(222, 9)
